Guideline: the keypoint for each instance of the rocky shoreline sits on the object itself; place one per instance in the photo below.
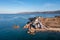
(46, 24)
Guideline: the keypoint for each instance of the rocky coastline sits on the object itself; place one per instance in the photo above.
(43, 24)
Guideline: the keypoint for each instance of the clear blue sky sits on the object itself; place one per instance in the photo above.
(14, 6)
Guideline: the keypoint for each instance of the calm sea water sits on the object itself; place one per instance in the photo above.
(7, 32)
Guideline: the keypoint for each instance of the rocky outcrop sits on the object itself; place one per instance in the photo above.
(43, 24)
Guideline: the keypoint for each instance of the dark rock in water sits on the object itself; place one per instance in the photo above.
(32, 19)
(15, 26)
(57, 16)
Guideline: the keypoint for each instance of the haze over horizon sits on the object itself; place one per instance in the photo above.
(16, 6)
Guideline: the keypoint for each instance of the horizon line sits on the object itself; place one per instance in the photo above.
(26, 12)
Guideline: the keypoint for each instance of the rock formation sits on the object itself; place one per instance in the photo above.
(43, 24)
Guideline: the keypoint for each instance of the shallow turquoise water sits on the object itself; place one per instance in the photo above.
(7, 32)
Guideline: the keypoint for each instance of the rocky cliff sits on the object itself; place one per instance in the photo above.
(43, 24)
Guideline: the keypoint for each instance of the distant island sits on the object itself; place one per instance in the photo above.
(48, 12)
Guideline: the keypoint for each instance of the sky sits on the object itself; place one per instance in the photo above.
(16, 6)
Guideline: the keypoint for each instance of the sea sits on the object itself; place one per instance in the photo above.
(8, 32)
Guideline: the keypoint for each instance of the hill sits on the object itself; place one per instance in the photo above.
(48, 12)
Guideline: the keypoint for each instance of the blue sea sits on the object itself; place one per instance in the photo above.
(7, 32)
